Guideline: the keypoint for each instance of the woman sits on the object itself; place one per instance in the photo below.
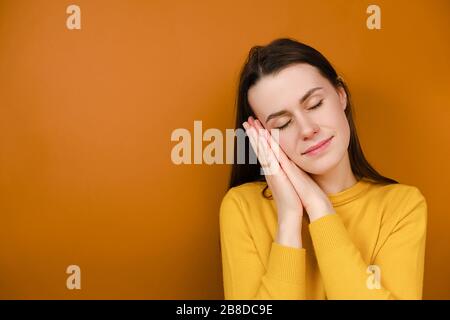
(321, 223)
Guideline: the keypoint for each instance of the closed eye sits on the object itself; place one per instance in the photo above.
(285, 125)
(317, 105)
(313, 107)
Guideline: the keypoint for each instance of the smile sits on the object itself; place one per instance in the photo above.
(320, 148)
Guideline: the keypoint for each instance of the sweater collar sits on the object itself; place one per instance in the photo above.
(349, 194)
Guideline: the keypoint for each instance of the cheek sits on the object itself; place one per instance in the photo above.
(342, 130)
(287, 143)
(335, 120)
(342, 126)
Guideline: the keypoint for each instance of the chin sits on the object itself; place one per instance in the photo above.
(320, 165)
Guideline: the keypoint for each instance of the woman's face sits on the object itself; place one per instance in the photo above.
(307, 109)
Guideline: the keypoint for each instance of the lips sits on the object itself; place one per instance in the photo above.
(314, 147)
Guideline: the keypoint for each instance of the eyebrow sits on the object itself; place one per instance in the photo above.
(302, 99)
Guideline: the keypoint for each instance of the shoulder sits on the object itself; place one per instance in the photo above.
(399, 193)
(247, 192)
(402, 202)
(240, 199)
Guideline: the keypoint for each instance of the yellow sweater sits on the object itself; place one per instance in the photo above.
(372, 248)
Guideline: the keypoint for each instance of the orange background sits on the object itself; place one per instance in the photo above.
(86, 118)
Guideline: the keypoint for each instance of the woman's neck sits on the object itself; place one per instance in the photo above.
(337, 178)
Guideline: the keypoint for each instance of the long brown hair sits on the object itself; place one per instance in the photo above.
(269, 60)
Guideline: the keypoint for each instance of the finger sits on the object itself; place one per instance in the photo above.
(273, 165)
(295, 174)
(258, 147)
(251, 136)
(267, 159)
(251, 121)
(255, 142)
(273, 144)
(274, 152)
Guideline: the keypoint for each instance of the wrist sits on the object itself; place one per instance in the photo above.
(318, 213)
(289, 234)
(319, 209)
(288, 222)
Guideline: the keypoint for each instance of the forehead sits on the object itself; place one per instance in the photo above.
(284, 90)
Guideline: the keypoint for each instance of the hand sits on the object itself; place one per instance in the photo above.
(314, 200)
(289, 205)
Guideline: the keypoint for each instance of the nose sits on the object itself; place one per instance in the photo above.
(307, 127)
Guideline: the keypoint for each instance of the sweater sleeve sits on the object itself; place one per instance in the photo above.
(244, 274)
(399, 262)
